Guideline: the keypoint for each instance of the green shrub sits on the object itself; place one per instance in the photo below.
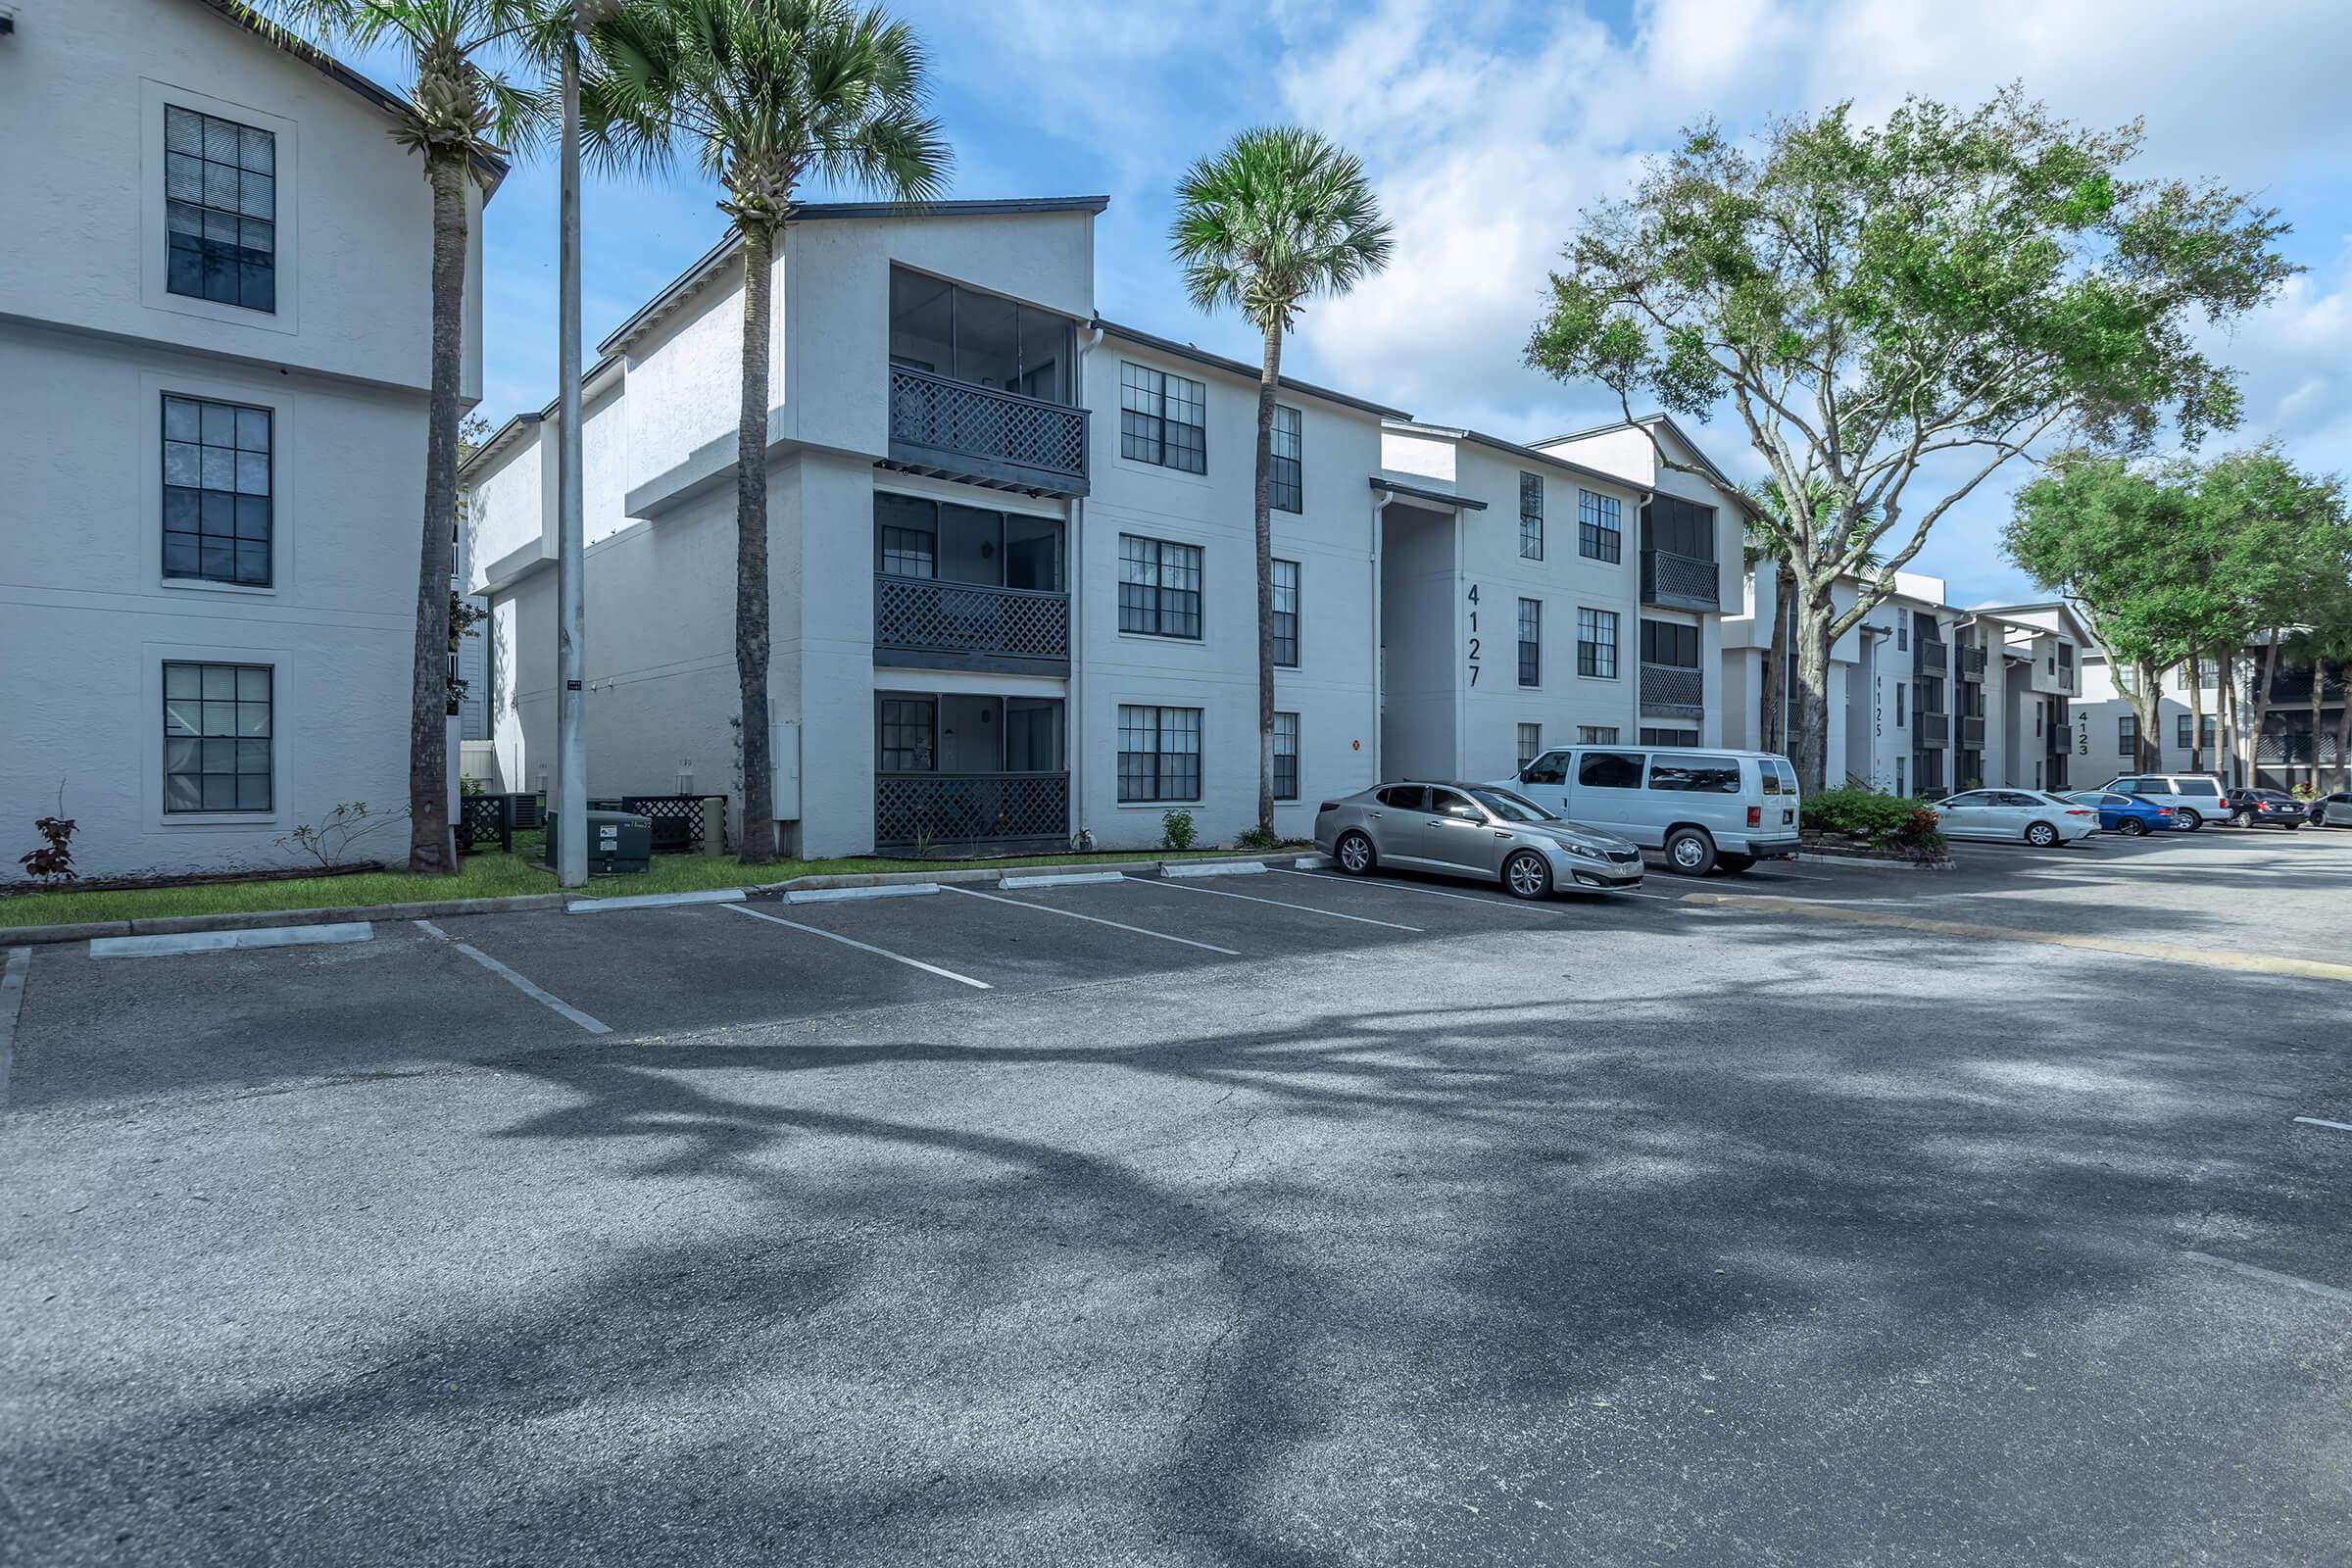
(1176, 830)
(1889, 821)
(1255, 837)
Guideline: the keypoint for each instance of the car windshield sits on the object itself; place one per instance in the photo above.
(1511, 808)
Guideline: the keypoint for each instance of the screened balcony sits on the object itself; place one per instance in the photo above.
(953, 771)
(961, 587)
(1678, 555)
(983, 389)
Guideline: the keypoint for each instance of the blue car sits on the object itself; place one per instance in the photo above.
(2127, 814)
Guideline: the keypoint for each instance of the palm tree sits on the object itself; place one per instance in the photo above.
(1279, 216)
(766, 93)
(460, 105)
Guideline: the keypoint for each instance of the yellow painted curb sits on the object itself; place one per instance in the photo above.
(2247, 962)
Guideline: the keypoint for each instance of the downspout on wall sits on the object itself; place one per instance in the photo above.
(1073, 718)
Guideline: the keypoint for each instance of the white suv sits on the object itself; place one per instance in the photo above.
(2195, 798)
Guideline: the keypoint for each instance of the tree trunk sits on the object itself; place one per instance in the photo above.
(2265, 680)
(750, 550)
(2196, 712)
(432, 846)
(2319, 670)
(1268, 377)
(2344, 727)
(2228, 708)
(1772, 702)
(1809, 701)
(2146, 699)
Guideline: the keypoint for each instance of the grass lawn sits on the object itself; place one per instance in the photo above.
(481, 876)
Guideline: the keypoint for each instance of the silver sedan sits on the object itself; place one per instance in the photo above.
(1473, 830)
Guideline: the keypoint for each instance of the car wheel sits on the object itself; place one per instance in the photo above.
(1526, 876)
(2243, 819)
(2131, 827)
(2191, 821)
(1690, 851)
(1735, 863)
(2041, 835)
(1354, 854)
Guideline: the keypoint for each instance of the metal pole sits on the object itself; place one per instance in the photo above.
(572, 745)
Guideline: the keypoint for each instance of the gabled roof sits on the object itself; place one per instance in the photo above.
(1721, 481)
(710, 261)
(1240, 368)
(489, 165)
(1523, 454)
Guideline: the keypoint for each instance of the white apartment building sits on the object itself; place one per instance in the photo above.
(1013, 560)
(1926, 698)
(2290, 749)
(213, 338)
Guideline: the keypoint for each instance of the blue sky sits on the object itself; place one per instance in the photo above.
(1488, 125)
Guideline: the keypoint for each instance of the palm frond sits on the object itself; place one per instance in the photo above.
(1279, 216)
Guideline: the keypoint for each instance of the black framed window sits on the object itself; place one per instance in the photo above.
(909, 552)
(2126, 735)
(216, 485)
(1901, 687)
(1290, 451)
(908, 735)
(1686, 737)
(1160, 587)
(1286, 613)
(1530, 642)
(1596, 734)
(1665, 642)
(217, 733)
(1531, 742)
(220, 210)
(1530, 517)
(2180, 730)
(2209, 731)
(1159, 754)
(1285, 756)
(2209, 674)
(1163, 418)
(1600, 526)
(1597, 643)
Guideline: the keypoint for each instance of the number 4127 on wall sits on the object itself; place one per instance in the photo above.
(1474, 636)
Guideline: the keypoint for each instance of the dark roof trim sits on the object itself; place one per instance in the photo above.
(693, 277)
(491, 167)
(1442, 497)
(1219, 362)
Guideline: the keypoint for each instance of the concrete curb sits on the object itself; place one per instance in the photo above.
(268, 919)
(894, 889)
(1064, 879)
(284, 936)
(1193, 869)
(1947, 863)
(654, 901)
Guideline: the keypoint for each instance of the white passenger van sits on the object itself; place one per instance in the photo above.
(1704, 807)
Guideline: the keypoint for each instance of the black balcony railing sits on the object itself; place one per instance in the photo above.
(1972, 733)
(970, 622)
(1680, 582)
(1673, 689)
(1935, 658)
(1971, 661)
(939, 425)
(919, 810)
(1935, 729)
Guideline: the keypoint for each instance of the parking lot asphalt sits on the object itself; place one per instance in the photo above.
(1283, 1218)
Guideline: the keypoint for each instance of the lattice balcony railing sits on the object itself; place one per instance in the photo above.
(945, 414)
(1673, 689)
(927, 616)
(1684, 582)
(925, 809)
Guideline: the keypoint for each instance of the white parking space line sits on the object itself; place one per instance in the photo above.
(544, 998)
(2308, 1121)
(1096, 919)
(1305, 909)
(2272, 1277)
(862, 947)
(12, 999)
(1435, 892)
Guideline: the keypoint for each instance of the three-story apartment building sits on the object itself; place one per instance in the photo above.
(1014, 577)
(213, 340)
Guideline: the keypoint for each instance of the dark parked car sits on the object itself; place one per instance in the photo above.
(2331, 811)
(2266, 808)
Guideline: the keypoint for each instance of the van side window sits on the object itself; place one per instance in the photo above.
(1405, 796)
(1609, 770)
(1549, 768)
(1706, 775)
(2198, 786)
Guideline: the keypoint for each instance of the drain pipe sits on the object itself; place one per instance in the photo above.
(1073, 718)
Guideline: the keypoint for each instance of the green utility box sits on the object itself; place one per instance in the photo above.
(618, 841)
